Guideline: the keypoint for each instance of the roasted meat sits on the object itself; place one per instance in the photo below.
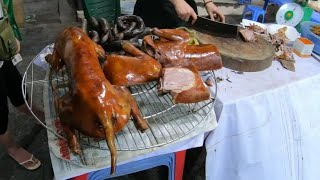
(184, 84)
(172, 49)
(135, 68)
(248, 35)
(257, 29)
(92, 106)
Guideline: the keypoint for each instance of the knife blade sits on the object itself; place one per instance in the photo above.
(214, 28)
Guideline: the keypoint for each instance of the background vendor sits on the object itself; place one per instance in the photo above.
(173, 13)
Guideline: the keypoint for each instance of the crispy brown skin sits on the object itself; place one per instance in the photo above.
(172, 49)
(93, 106)
(128, 70)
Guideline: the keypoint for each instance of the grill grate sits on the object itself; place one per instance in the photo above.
(167, 121)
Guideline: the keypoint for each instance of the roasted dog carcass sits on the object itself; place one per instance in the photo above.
(184, 84)
(92, 106)
(173, 49)
(128, 70)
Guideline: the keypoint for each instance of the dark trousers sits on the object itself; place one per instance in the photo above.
(160, 13)
(10, 86)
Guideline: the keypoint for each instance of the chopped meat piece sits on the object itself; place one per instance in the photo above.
(247, 35)
(184, 84)
(172, 49)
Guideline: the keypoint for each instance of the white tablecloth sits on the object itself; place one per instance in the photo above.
(269, 125)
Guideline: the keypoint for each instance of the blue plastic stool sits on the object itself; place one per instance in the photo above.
(244, 1)
(255, 13)
(166, 160)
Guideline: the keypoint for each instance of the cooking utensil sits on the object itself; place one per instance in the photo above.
(214, 28)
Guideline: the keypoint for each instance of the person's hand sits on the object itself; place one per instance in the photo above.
(184, 10)
(214, 12)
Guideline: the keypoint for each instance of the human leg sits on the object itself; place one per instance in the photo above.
(15, 151)
(38, 112)
(20, 155)
(13, 84)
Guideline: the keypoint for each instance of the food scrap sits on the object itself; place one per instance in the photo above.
(316, 30)
(219, 79)
(284, 54)
(209, 82)
(255, 28)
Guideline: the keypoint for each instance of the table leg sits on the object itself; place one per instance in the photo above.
(81, 177)
(179, 165)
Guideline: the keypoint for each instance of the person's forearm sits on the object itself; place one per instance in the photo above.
(175, 1)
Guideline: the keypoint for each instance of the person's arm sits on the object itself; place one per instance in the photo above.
(184, 10)
(213, 10)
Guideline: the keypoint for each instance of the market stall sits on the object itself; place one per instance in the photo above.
(175, 121)
(264, 98)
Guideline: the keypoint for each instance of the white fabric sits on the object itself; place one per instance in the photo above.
(269, 125)
(1, 63)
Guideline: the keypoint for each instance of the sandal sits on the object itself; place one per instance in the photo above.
(35, 163)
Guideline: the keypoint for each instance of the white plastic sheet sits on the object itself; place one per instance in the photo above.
(269, 127)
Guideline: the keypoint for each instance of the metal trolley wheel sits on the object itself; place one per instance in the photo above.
(167, 121)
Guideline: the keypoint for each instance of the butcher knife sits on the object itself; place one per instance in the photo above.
(214, 28)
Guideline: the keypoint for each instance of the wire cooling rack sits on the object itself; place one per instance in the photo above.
(167, 121)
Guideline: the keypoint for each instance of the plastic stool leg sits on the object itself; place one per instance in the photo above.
(81, 177)
(136, 166)
(180, 159)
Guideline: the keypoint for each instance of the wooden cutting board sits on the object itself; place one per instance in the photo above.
(239, 55)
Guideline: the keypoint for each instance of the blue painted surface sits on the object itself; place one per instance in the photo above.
(244, 1)
(315, 17)
(280, 2)
(144, 164)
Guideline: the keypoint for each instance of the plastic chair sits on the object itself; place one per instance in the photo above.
(144, 164)
(108, 9)
(8, 5)
(255, 11)
(178, 166)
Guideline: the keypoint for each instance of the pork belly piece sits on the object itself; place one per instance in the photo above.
(184, 84)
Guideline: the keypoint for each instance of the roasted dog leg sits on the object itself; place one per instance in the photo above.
(129, 107)
(139, 121)
(72, 139)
